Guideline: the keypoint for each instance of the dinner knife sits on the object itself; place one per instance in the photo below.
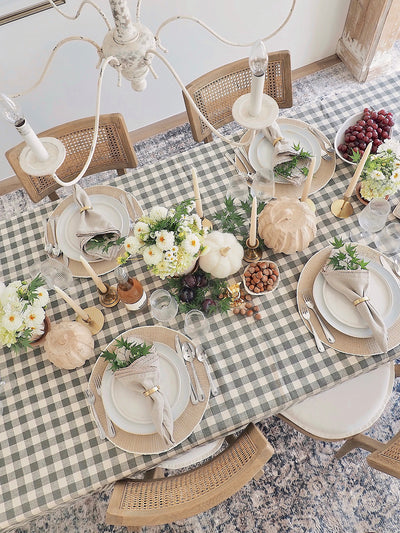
(388, 265)
(193, 395)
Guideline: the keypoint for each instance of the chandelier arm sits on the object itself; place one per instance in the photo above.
(215, 34)
(138, 7)
(53, 52)
(105, 62)
(74, 17)
(188, 96)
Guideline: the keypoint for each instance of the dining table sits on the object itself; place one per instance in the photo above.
(50, 450)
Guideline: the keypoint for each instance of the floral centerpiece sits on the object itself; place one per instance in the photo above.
(170, 240)
(381, 174)
(22, 312)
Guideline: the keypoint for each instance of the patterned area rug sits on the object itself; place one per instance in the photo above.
(304, 488)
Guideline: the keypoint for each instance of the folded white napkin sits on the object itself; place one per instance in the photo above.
(92, 224)
(283, 151)
(353, 284)
(143, 375)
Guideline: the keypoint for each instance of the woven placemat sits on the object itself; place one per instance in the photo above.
(100, 267)
(320, 179)
(183, 425)
(343, 343)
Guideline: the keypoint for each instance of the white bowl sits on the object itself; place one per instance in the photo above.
(339, 138)
(274, 286)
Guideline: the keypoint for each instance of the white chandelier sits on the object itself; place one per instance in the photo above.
(130, 47)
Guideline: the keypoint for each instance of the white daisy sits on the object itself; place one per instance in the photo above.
(158, 213)
(377, 175)
(34, 316)
(43, 297)
(169, 256)
(11, 319)
(132, 244)
(191, 244)
(165, 239)
(141, 230)
(152, 255)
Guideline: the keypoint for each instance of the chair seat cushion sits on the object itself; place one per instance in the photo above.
(192, 456)
(345, 409)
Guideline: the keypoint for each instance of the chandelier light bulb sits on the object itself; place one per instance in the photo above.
(10, 110)
(258, 60)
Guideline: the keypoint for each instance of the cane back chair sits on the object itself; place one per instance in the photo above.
(113, 151)
(161, 500)
(215, 92)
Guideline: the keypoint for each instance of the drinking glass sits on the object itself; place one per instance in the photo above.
(371, 219)
(237, 188)
(388, 241)
(163, 306)
(196, 324)
(56, 273)
(263, 186)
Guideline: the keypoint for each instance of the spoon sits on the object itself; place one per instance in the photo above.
(188, 355)
(202, 357)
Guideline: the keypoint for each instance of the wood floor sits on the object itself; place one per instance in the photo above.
(11, 184)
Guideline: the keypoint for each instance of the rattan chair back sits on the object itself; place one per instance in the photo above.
(114, 151)
(215, 92)
(387, 459)
(164, 500)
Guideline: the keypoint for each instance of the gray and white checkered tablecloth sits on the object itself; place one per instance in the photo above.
(50, 450)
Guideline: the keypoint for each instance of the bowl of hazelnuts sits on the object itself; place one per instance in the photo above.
(261, 277)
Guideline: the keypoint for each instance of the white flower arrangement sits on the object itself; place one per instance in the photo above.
(381, 174)
(170, 240)
(22, 312)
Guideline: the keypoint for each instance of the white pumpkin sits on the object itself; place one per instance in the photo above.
(287, 225)
(223, 255)
(68, 344)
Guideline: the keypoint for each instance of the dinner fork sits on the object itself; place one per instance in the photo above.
(326, 156)
(310, 304)
(306, 315)
(110, 425)
(123, 201)
(91, 399)
(324, 143)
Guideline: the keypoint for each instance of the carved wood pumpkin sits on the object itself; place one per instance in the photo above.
(68, 344)
(223, 256)
(287, 225)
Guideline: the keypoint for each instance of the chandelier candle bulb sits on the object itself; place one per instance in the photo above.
(253, 223)
(307, 184)
(32, 140)
(199, 207)
(258, 62)
(78, 310)
(99, 284)
(357, 173)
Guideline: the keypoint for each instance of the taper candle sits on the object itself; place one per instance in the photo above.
(78, 310)
(357, 173)
(307, 184)
(253, 223)
(199, 208)
(99, 284)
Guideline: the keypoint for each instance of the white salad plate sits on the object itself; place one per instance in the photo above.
(261, 150)
(130, 410)
(69, 220)
(384, 293)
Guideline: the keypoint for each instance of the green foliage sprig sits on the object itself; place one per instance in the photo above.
(136, 351)
(104, 242)
(29, 291)
(285, 169)
(346, 258)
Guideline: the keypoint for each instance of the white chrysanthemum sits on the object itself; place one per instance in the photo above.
(152, 255)
(141, 230)
(43, 297)
(165, 239)
(191, 244)
(389, 144)
(12, 320)
(34, 316)
(377, 175)
(132, 244)
(9, 294)
(158, 213)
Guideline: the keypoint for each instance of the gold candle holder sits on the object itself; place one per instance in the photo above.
(110, 297)
(252, 253)
(207, 224)
(95, 322)
(342, 208)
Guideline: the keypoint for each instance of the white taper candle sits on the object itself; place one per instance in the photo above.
(357, 173)
(307, 184)
(99, 284)
(253, 223)
(78, 310)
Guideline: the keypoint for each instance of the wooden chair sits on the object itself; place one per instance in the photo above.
(163, 500)
(114, 151)
(215, 92)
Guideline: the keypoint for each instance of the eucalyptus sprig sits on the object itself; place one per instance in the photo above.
(104, 242)
(285, 169)
(346, 258)
(136, 351)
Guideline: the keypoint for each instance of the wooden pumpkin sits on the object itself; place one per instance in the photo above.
(287, 225)
(223, 255)
(68, 344)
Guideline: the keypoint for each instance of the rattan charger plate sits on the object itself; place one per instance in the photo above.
(288, 190)
(100, 267)
(183, 425)
(343, 343)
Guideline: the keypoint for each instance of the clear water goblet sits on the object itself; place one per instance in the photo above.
(372, 219)
(263, 186)
(163, 306)
(237, 188)
(388, 242)
(196, 325)
(56, 273)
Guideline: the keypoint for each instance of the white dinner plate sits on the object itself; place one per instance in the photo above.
(338, 311)
(261, 150)
(69, 219)
(130, 410)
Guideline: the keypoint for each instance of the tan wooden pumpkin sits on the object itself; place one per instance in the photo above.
(68, 344)
(223, 255)
(287, 225)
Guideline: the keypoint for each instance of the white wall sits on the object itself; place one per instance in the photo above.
(69, 89)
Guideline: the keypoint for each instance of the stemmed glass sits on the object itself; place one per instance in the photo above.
(163, 306)
(371, 219)
(237, 188)
(388, 242)
(56, 273)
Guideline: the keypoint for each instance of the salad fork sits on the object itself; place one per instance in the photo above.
(91, 399)
(310, 304)
(324, 143)
(306, 315)
(110, 425)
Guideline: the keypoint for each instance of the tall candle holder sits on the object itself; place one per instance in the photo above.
(108, 298)
(95, 320)
(252, 253)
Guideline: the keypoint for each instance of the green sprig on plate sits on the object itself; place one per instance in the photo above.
(346, 257)
(136, 351)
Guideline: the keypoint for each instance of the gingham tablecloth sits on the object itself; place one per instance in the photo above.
(50, 451)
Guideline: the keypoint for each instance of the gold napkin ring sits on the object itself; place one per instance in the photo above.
(361, 300)
(85, 208)
(277, 140)
(151, 391)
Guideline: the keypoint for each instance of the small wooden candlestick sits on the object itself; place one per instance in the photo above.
(95, 322)
(252, 253)
(110, 297)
